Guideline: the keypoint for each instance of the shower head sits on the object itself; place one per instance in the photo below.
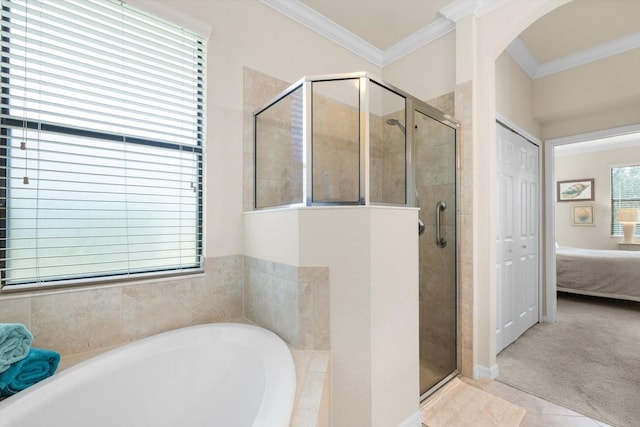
(395, 122)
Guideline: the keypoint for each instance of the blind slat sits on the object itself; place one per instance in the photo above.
(102, 133)
(625, 194)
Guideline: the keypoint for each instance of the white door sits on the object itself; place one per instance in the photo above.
(517, 236)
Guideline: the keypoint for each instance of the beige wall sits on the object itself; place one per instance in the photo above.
(587, 89)
(514, 95)
(428, 72)
(372, 255)
(595, 165)
(243, 35)
(607, 118)
(483, 40)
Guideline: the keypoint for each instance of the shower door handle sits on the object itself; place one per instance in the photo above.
(440, 206)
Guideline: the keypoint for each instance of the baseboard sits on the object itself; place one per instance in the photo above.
(484, 373)
(413, 421)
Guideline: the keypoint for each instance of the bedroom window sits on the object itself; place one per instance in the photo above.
(625, 193)
(101, 144)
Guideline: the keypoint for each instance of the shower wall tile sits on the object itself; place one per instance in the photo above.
(258, 89)
(463, 110)
(444, 103)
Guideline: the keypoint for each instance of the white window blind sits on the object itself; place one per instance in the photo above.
(625, 194)
(102, 130)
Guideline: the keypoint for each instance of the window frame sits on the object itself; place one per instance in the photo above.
(8, 121)
(614, 225)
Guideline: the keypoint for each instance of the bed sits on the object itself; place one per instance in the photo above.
(605, 273)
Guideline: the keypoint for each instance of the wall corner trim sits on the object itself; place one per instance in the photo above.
(413, 420)
(483, 373)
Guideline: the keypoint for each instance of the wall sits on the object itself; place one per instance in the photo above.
(288, 300)
(105, 316)
(514, 95)
(244, 36)
(428, 72)
(371, 253)
(590, 88)
(590, 165)
(75, 321)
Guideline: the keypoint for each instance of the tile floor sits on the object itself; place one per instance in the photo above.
(540, 413)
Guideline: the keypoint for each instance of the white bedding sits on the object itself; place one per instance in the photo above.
(607, 273)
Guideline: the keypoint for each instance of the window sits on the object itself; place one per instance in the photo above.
(101, 143)
(625, 193)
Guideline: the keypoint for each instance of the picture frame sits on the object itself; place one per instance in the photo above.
(582, 215)
(576, 189)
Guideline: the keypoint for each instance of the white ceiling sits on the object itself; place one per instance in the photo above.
(383, 23)
(383, 31)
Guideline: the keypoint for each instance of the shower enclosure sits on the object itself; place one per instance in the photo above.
(350, 139)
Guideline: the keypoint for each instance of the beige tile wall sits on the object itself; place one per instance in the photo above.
(336, 147)
(74, 321)
(463, 100)
(291, 301)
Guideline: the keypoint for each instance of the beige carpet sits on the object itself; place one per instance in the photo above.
(588, 361)
(461, 405)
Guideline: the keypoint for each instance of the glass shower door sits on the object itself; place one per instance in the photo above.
(435, 184)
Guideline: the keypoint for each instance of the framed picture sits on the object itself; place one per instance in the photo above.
(582, 215)
(576, 189)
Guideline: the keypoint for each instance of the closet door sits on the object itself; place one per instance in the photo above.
(517, 266)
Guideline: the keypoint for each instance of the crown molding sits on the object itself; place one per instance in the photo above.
(450, 14)
(601, 51)
(535, 70)
(304, 15)
(523, 57)
(422, 37)
(458, 9)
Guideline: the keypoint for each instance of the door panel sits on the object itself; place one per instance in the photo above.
(435, 181)
(517, 268)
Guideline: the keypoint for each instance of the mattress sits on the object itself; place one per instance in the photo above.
(607, 273)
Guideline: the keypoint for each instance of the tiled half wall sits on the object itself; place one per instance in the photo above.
(291, 301)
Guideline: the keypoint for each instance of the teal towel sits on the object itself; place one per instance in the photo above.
(15, 340)
(37, 366)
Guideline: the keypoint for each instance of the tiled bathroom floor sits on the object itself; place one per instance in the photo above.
(540, 413)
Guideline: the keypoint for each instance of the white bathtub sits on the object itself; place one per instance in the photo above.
(221, 374)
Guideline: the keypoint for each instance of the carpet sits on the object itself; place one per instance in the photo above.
(587, 361)
(461, 405)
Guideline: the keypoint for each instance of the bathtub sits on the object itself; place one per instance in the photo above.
(221, 374)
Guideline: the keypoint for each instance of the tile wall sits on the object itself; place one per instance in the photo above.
(292, 301)
(463, 109)
(336, 150)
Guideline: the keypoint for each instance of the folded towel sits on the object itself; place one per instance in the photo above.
(37, 366)
(15, 340)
